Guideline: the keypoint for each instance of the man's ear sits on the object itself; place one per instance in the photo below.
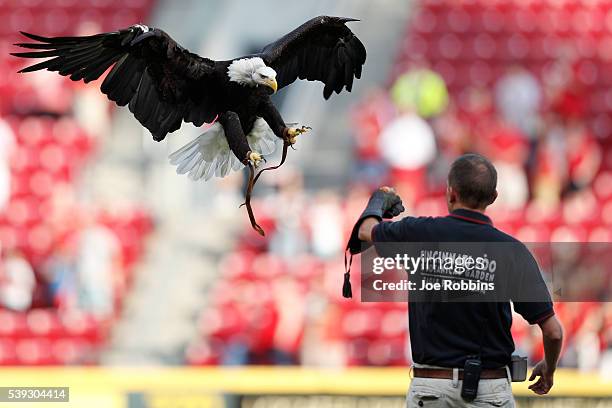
(451, 195)
(494, 198)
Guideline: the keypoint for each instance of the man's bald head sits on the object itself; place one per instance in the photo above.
(473, 179)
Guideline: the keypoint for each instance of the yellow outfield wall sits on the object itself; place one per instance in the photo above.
(98, 387)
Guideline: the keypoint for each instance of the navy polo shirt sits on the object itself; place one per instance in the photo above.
(445, 333)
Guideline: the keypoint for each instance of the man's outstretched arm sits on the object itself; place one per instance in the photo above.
(552, 336)
(366, 229)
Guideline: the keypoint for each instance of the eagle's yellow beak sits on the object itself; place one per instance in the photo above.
(272, 84)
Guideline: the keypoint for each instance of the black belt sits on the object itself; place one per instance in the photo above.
(447, 373)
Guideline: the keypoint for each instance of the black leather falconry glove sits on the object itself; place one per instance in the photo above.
(384, 203)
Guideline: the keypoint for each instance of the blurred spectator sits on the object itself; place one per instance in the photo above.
(583, 156)
(453, 140)
(409, 146)
(550, 166)
(288, 206)
(61, 275)
(91, 107)
(518, 99)
(476, 104)
(568, 97)
(289, 302)
(7, 146)
(588, 346)
(368, 120)
(51, 94)
(17, 282)
(422, 91)
(326, 226)
(513, 188)
(408, 143)
(508, 149)
(606, 358)
(322, 344)
(97, 264)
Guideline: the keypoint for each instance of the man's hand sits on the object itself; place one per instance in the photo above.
(552, 337)
(384, 203)
(545, 382)
(391, 203)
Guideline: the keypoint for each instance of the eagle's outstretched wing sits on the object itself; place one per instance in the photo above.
(322, 49)
(162, 82)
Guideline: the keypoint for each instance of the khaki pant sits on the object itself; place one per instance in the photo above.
(436, 393)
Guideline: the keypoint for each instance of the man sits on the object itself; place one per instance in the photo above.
(17, 282)
(445, 334)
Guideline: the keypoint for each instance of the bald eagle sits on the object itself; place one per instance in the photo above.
(164, 84)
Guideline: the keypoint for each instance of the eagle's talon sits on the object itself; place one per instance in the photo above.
(255, 158)
(293, 133)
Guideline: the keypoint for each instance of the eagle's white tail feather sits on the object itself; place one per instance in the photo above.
(209, 154)
(222, 167)
(204, 165)
(199, 170)
(236, 165)
(183, 152)
(186, 156)
(261, 138)
(210, 171)
(189, 163)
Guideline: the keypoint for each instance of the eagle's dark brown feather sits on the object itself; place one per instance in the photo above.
(162, 82)
(322, 49)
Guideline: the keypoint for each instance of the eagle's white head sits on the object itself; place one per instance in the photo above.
(252, 72)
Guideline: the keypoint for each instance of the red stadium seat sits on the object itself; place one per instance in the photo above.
(34, 352)
(40, 238)
(394, 324)
(52, 158)
(12, 324)
(602, 185)
(600, 234)
(8, 355)
(69, 351)
(533, 233)
(41, 183)
(380, 353)
(567, 233)
(8, 235)
(357, 352)
(362, 323)
(44, 323)
(78, 325)
(267, 267)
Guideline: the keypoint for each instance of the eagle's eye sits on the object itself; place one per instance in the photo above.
(263, 76)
